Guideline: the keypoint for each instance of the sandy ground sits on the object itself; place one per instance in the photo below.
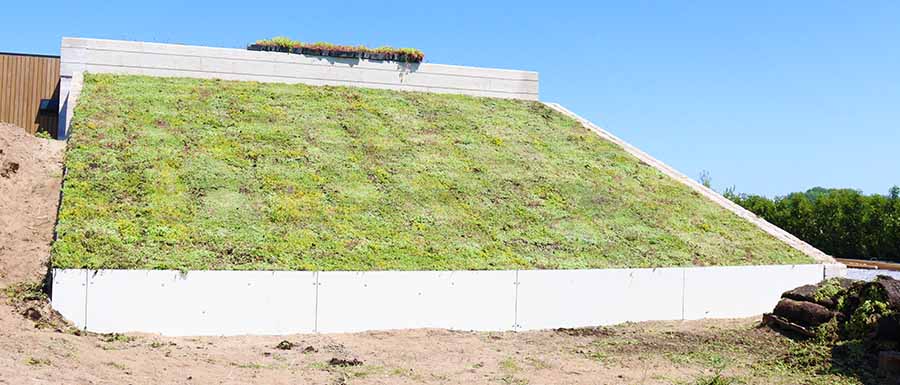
(30, 174)
(38, 348)
(649, 353)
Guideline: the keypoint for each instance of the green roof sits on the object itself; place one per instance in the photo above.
(192, 174)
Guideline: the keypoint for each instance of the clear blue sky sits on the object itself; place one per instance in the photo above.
(771, 97)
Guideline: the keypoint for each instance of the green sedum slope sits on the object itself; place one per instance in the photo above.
(201, 174)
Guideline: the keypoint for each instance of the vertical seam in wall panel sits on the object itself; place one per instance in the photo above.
(683, 284)
(516, 304)
(316, 306)
(86, 285)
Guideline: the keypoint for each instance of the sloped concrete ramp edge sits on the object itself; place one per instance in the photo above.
(764, 225)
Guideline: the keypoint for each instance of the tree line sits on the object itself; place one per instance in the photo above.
(844, 223)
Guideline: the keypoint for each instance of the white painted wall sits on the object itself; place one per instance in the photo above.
(741, 291)
(201, 302)
(460, 300)
(285, 302)
(68, 295)
(172, 60)
(870, 274)
(575, 298)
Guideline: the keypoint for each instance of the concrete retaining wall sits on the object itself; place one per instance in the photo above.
(285, 302)
(171, 60)
(870, 274)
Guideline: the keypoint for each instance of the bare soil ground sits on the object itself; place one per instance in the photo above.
(647, 353)
(30, 174)
(36, 347)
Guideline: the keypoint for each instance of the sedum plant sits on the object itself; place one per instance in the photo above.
(389, 53)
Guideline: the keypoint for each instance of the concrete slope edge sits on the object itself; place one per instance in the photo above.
(285, 302)
(775, 231)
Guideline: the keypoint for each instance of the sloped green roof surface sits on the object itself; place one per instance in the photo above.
(203, 174)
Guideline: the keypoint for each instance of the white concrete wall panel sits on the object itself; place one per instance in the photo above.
(201, 302)
(283, 302)
(69, 294)
(459, 300)
(833, 270)
(870, 274)
(741, 291)
(245, 55)
(154, 59)
(576, 298)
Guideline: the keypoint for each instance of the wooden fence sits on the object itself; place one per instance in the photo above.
(29, 91)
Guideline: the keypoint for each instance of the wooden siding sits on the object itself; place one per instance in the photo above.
(24, 81)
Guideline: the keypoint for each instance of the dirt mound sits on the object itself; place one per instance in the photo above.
(30, 177)
(849, 309)
(857, 319)
(842, 309)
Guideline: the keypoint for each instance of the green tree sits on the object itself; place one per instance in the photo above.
(842, 222)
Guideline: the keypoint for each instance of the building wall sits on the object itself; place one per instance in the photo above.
(24, 81)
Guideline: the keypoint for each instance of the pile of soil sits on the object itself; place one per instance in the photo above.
(856, 319)
(30, 177)
(842, 309)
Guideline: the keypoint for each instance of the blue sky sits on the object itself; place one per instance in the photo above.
(770, 97)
